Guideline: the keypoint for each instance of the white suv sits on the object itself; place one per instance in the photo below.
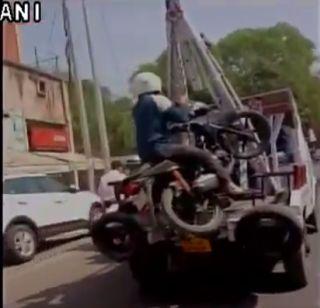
(36, 207)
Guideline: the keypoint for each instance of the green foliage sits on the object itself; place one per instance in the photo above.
(75, 118)
(201, 96)
(258, 60)
(120, 126)
(118, 120)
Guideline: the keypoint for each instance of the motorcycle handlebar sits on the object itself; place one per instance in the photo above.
(201, 111)
(194, 114)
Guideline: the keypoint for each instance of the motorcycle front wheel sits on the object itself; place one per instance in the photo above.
(245, 134)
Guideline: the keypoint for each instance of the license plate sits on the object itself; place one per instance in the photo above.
(196, 244)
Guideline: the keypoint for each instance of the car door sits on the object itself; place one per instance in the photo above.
(59, 197)
(25, 197)
(67, 205)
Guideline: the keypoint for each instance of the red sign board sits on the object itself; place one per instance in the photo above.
(48, 137)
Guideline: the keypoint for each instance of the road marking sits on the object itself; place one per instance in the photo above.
(109, 268)
(57, 300)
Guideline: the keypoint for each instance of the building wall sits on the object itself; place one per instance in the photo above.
(14, 132)
(11, 46)
(21, 96)
(32, 117)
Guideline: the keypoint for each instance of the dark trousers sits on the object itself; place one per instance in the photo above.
(189, 155)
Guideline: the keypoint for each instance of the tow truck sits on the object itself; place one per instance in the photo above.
(260, 232)
(288, 165)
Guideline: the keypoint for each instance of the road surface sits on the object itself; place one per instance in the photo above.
(75, 275)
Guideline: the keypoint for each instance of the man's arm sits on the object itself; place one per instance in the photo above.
(171, 111)
(178, 114)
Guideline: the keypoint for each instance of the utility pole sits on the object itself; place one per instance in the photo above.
(104, 143)
(80, 99)
(36, 57)
(56, 61)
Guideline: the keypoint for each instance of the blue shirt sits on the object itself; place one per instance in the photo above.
(151, 114)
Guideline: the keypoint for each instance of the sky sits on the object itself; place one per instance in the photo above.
(126, 33)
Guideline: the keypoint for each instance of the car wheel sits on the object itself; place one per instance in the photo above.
(96, 212)
(20, 244)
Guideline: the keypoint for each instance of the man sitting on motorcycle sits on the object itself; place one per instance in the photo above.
(152, 112)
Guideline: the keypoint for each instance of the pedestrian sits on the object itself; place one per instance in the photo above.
(108, 192)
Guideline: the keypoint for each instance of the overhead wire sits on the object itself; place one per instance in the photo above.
(109, 43)
(53, 23)
(50, 37)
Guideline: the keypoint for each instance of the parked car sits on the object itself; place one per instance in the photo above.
(37, 206)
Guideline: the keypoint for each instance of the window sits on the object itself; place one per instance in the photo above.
(33, 185)
(66, 178)
(41, 88)
(24, 185)
(50, 185)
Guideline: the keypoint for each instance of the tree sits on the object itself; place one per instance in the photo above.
(118, 120)
(120, 126)
(265, 59)
(258, 60)
(75, 118)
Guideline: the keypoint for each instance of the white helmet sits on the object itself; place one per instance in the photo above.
(144, 83)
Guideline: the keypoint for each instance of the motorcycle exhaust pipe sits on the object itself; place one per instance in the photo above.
(116, 235)
(270, 230)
